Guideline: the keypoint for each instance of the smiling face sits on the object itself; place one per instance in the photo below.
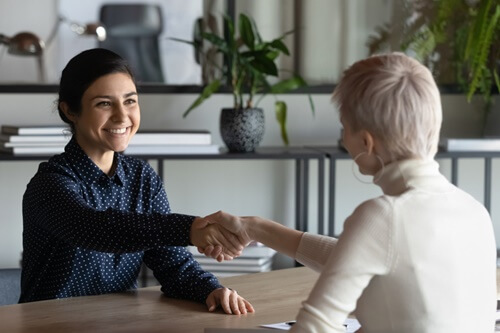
(109, 118)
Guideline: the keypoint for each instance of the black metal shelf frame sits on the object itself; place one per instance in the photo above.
(302, 156)
(334, 154)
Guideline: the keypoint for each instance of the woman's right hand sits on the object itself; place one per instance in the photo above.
(253, 228)
(206, 234)
(235, 224)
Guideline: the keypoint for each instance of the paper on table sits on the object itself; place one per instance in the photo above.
(285, 326)
(352, 325)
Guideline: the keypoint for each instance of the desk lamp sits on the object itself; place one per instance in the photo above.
(23, 44)
(26, 44)
(89, 29)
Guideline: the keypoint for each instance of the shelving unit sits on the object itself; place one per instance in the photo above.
(334, 154)
(300, 155)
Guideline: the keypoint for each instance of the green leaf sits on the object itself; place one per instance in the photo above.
(273, 55)
(280, 110)
(183, 41)
(206, 93)
(229, 33)
(220, 43)
(246, 31)
(292, 84)
(289, 32)
(262, 63)
(279, 45)
(258, 38)
(311, 104)
(497, 79)
(483, 47)
(288, 85)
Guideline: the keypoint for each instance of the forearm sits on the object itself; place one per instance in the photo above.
(314, 250)
(179, 274)
(65, 212)
(275, 235)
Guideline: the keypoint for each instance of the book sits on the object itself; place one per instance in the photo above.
(35, 138)
(171, 137)
(255, 258)
(33, 150)
(257, 250)
(235, 262)
(254, 250)
(470, 144)
(29, 144)
(221, 267)
(228, 274)
(35, 130)
(171, 149)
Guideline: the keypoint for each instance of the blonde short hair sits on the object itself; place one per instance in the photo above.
(395, 98)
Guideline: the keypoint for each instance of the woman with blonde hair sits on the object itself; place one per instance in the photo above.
(419, 258)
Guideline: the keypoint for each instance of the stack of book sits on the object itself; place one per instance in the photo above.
(178, 142)
(470, 144)
(34, 140)
(50, 140)
(255, 258)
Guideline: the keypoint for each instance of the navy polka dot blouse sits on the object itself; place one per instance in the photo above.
(86, 233)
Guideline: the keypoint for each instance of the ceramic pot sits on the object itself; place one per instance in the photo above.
(242, 129)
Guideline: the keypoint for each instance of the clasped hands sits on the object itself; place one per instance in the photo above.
(221, 236)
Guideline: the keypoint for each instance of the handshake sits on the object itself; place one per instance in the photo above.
(221, 236)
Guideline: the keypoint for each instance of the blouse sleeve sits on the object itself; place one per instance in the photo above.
(363, 250)
(179, 274)
(55, 203)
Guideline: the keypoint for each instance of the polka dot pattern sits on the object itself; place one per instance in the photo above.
(86, 233)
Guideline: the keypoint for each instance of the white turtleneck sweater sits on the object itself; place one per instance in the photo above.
(419, 258)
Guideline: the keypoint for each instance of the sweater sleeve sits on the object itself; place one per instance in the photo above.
(314, 250)
(363, 251)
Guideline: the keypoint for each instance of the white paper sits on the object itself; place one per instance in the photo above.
(285, 326)
(352, 325)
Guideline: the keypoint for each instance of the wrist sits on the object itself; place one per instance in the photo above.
(193, 230)
(253, 227)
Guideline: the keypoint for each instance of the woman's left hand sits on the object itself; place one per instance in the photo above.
(229, 300)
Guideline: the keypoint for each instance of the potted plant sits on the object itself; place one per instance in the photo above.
(248, 62)
(459, 40)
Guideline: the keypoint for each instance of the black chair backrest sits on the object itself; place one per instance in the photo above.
(10, 286)
(132, 31)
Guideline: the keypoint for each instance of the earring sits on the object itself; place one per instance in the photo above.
(374, 180)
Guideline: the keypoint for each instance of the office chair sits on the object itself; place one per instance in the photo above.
(10, 286)
(132, 31)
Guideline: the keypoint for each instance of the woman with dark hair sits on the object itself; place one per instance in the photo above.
(92, 215)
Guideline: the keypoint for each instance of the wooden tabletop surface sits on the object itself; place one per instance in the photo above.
(276, 296)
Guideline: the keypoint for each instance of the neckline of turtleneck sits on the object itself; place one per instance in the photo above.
(397, 177)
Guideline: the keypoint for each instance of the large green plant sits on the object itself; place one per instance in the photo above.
(248, 62)
(458, 39)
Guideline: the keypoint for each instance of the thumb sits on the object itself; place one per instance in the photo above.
(211, 302)
(200, 222)
(212, 218)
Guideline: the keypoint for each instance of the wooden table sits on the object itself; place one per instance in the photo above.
(275, 295)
